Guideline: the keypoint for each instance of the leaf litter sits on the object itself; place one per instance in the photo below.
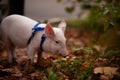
(83, 63)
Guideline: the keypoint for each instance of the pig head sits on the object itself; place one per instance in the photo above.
(55, 40)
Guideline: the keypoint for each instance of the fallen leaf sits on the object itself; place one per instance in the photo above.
(3, 73)
(44, 62)
(79, 52)
(109, 71)
(1, 67)
(86, 64)
(35, 76)
(17, 72)
(97, 47)
(62, 76)
(9, 70)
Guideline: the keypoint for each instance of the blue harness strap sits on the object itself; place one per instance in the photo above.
(42, 41)
(35, 29)
(33, 32)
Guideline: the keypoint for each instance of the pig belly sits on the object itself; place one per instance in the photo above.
(19, 38)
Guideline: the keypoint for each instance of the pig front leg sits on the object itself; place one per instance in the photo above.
(39, 54)
(29, 63)
(30, 54)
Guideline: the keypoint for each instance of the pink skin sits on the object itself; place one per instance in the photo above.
(56, 39)
(17, 29)
(63, 52)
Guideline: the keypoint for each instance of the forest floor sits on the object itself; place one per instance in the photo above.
(85, 62)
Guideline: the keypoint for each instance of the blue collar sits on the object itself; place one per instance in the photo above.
(34, 30)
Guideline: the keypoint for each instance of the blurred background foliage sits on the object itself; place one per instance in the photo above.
(103, 18)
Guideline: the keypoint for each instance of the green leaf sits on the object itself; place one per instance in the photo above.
(70, 9)
(98, 1)
(52, 76)
(86, 6)
(79, 0)
(58, 1)
(106, 11)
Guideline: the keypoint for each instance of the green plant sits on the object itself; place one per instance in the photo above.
(78, 69)
(52, 76)
(103, 15)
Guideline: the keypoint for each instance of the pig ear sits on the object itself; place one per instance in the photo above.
(49, 31)
(62, 25)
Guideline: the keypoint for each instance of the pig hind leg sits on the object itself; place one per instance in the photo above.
(10, 51)
(11, 55)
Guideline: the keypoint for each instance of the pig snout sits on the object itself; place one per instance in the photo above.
(63, 53)
(66, 54)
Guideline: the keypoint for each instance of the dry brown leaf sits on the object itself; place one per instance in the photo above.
(54, 57)
(79, 52)
(86, 64)
(17, 72)
(30, 68)
(9, 70)
(109, 71)
(35, 74)
(44, 62)
(97, 47)
(105, 77)
(62, 76)
(1, 67)
(98, 70)
(4, 53)
(64, 59)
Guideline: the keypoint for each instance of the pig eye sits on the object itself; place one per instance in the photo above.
(57, 42)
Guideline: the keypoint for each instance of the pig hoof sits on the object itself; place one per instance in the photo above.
(28, 68)
(11, 64)
(8, 65)
(14, 62)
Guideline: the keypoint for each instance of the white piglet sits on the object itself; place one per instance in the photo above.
(16, 32)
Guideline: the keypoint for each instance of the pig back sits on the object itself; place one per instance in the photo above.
(17, 29)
